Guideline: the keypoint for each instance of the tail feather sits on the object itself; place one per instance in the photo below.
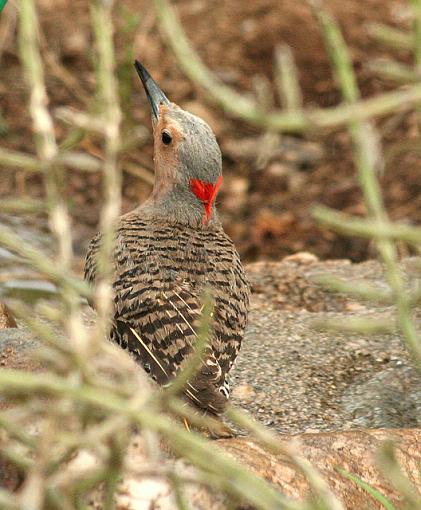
(201, 391)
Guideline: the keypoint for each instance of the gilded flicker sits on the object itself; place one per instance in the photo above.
(168, 251)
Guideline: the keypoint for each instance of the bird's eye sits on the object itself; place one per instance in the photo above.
(166, 137)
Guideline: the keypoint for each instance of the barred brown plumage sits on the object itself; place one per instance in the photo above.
(167, 252)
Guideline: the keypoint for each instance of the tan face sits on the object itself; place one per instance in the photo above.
(168, 136)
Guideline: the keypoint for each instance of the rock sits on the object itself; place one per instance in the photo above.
(294, 378)
(354, 451)
(139, 491)
(302, 257)
(323, 380)
(391, 397)
(16, 346)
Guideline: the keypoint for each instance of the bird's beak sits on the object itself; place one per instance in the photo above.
(154, 94)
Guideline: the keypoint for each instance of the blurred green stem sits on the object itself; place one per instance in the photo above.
(235, 478)
(101, 11)
(368, 228)
(366, 156)
(416, 8)
(396, 71)
(391, 37)
(77, 160)
(248, 110)
(39, 261)
(388, 461)
(286, 77)
(8, 500)
(43, 127)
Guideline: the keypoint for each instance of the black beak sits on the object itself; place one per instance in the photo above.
(154, 94)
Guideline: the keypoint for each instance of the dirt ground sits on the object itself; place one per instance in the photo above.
(265, 202)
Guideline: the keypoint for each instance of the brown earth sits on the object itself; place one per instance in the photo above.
(265, 206)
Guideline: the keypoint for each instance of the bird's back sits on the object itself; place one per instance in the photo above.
(161, 273)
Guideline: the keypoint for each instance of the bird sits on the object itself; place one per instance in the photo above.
(169, 251)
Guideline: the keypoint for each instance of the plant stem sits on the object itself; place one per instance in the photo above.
(366, 156)
(295, 121)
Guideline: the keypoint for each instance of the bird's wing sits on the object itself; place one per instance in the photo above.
(159, 326)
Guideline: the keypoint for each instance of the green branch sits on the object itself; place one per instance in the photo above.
(277, 120)
(235, 479)
(366, 157)
(370, 229)
(73, 159)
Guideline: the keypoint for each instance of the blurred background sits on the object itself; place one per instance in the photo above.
(270, 183)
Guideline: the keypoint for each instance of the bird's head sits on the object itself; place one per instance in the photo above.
(187, 158)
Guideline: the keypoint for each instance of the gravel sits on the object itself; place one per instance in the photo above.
(295, 378)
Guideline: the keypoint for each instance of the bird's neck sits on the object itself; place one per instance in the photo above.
(192, 205)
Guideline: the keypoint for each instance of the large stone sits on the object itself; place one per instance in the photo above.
(301, 381)
(294, 378)
(354, 451)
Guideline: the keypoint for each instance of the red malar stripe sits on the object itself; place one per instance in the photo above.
(206, 192)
